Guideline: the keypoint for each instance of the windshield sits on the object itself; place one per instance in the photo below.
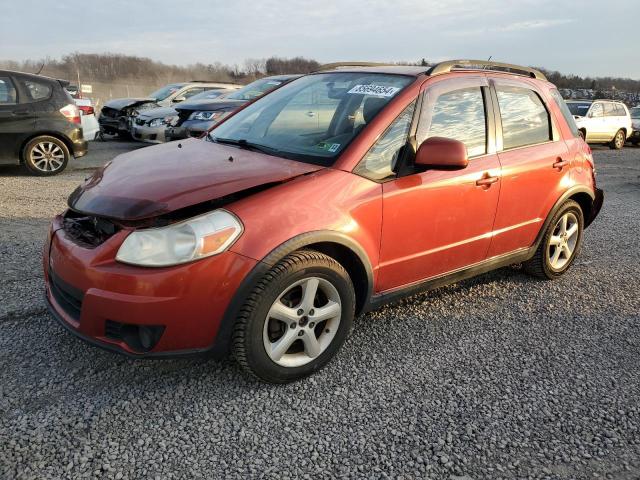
(579, 109)
(314, 118)
(635, 113)
(256, 89)
(164, 92)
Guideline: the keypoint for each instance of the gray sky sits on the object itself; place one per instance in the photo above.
(586, 37)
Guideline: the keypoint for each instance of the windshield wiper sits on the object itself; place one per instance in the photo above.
(242, 143)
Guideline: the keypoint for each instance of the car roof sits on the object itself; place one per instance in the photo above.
(389, 69)
(449, 66)
(606, 100)
(33, 75)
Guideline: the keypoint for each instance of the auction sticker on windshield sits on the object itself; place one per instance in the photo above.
(378, 90)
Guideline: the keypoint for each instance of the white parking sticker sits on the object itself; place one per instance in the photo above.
(378, 90)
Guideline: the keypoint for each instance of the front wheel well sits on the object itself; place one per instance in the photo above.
(352, 264)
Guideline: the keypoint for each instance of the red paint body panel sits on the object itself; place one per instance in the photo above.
(326, 200)
(151, 181)
(436, 222)
(189, 300)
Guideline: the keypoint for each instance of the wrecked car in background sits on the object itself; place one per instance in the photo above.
(116, 115)
(196, 117)
(150, 124)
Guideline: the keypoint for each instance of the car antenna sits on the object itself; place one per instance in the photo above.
(41, 67)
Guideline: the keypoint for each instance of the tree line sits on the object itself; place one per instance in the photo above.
(120, 68)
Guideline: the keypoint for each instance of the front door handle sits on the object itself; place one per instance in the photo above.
(560, 163)
(486, 180)
(311, 114)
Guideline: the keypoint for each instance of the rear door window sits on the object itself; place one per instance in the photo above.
(610, 110)
(525, 119)
(597, 110)
(8, 95)
(37, 90)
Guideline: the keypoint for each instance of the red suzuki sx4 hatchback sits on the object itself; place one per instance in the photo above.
(335, 193)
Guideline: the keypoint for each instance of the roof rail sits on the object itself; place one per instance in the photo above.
(209, 81)
(330, 66)
(451, 65)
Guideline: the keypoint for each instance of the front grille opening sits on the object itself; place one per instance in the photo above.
(68, 298)
(88, 230)
(139, 338)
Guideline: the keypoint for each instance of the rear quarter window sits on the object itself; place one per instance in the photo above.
(566, 113)
(37, 91)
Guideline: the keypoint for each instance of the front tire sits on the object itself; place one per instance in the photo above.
(560, 244)
(296, 318)
(45, 156)
(618, 141)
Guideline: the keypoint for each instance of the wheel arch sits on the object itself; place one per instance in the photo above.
(45, 133)
(585, 197)
(339, 246)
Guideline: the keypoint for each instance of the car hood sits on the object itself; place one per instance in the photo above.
(211, 105)
(157, 180)
(120, 103)
(159, 112)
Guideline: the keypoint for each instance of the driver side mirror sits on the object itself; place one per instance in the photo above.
(442, 153)
(179, 99)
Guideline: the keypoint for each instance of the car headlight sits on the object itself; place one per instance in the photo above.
(192, 239)
(208, 115)
(156, 122)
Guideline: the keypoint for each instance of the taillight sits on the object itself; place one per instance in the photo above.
(71, 113)
(86, 109)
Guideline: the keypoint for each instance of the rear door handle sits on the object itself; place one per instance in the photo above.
(486, 180)
(560, 164)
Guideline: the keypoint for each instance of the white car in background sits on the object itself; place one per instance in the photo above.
(90, 125)
(602, 121)
(635, 120)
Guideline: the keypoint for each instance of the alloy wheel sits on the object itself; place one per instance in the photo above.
(47, 156)
(302, 322)
(563, 241)
(619, 141)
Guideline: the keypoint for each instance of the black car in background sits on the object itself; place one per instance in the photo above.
(39, 123)
(195, 118)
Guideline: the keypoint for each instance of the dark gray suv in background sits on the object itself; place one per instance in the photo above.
(39, 123)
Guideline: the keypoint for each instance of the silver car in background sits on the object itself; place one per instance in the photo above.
(150, 124)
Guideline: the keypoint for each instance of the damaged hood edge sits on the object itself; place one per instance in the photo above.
(156, 181)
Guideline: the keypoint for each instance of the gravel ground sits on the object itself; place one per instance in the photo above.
(502, 376)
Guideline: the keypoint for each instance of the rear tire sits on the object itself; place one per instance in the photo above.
(45, 156)
(618, 141)
(296, 318)
(560, 244)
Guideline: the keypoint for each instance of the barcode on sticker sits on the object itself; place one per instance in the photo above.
(379, 90)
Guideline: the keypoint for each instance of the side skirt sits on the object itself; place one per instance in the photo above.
(518, 256)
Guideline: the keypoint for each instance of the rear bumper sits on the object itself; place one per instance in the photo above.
(596, 206)
(80, 148)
